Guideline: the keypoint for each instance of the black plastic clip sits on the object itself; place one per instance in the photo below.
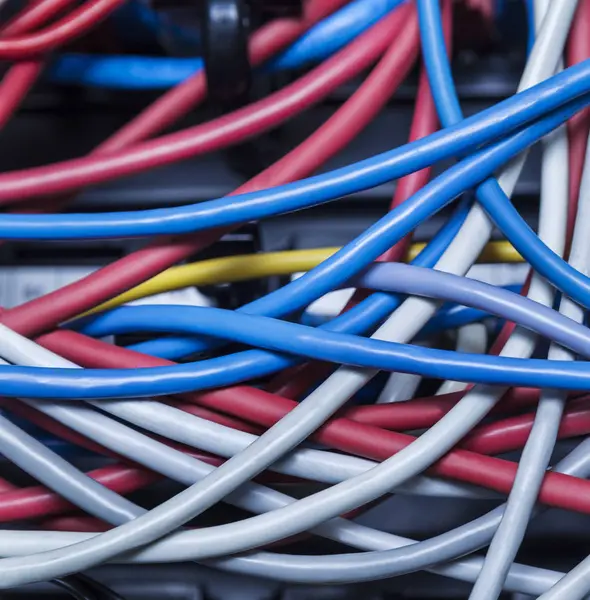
(225, 51)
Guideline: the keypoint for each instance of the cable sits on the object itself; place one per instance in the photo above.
(34, 15)
(75, 588)
(143, 264)
(229, 269)
(572, 584)
(103, 592)
(540, 444)
(577, 50)
(142, 72)
(472, 338)
(334, 32)
(118, 436)
(68, 28)
(554, 275)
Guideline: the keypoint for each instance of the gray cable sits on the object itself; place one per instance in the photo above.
(59, 475)
(543, 436)
(406, 287)
(575, 584)
(272, 444)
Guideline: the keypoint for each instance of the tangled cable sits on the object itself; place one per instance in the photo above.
(260, 394)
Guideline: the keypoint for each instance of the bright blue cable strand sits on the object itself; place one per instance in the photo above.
(396, 277)
(530, 14)
(363, 317)
(66, 383)
(450, 316)
(144, 72)
(461, 138)
(334, 32)
(123, 72)
(281, 336)
(490, 195)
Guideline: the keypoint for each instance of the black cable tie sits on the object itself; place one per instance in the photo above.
(225, 51)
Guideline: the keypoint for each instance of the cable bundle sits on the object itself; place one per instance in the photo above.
(231, 424)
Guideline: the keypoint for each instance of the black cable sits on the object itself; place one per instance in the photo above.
(102, 592)
(76, 588)
(82, 587)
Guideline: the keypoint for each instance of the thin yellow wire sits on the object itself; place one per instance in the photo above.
(230, 269)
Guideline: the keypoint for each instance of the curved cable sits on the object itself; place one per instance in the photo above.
(142, 72)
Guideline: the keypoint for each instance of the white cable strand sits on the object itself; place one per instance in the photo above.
(288, 433)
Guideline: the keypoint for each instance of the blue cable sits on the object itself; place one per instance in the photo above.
(143, 72)
(337, 269)
(490, 195)
(466, 136)
(363, 317)
(450, 316)
(530, 14)
(281, 336)
(125, 72)
(334, 32)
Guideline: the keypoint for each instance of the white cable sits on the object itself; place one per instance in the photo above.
(475, 232)
(473, 339)
(399, 388)
(575, 584)
(277, 440)
(539, 446)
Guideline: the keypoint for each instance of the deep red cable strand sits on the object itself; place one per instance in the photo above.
(33, 502)
(293, 382)
(577, 50)
(34, 16)
(266, 409)
(70, 27)
(226, 130)
(46, 312)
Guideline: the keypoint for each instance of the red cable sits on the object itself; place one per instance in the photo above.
(170, 107)
(577, 50)
(65, 30)
(33, 502)
(46, 312)
(293, 382)
(263, 408)
(512, 434)
(34, 16)
(224, 131)
(15, 85)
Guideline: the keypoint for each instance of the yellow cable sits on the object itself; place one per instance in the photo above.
(494, 252)
(230, 269)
